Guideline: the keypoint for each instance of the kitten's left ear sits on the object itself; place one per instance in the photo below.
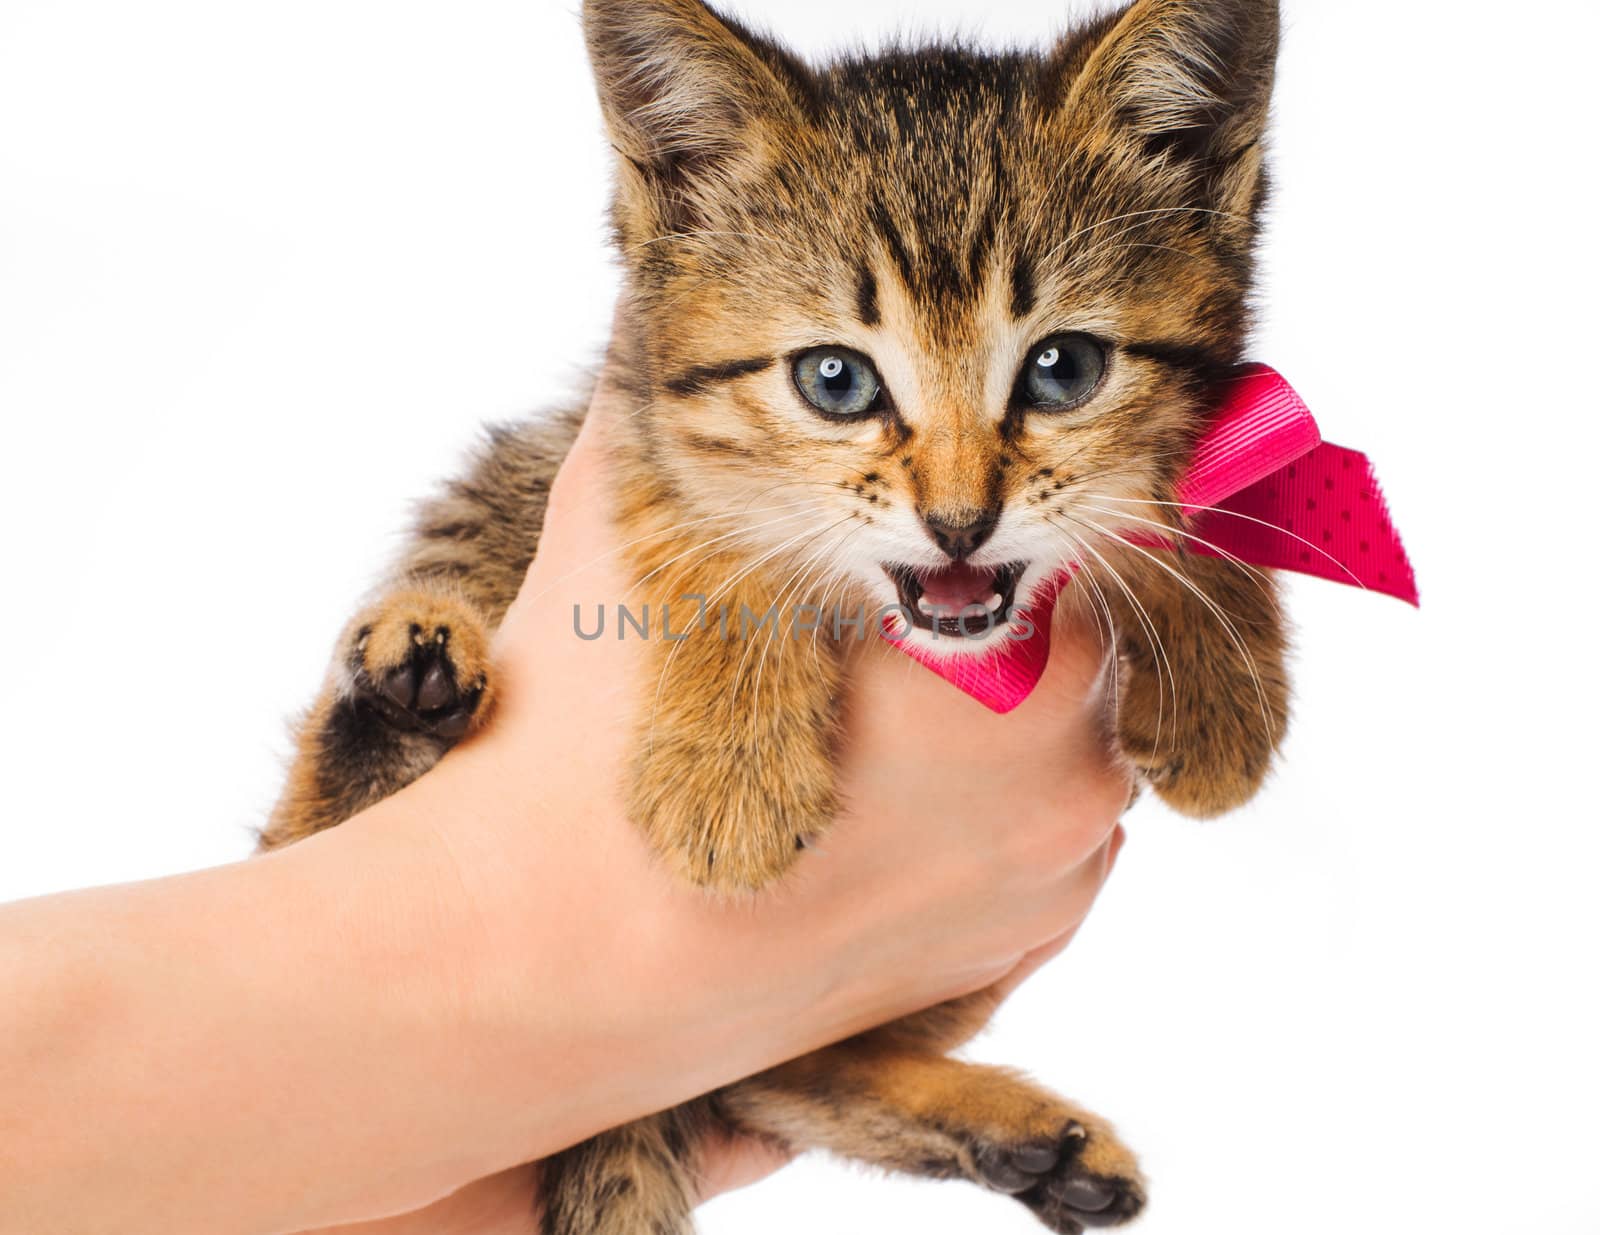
(1188, 81)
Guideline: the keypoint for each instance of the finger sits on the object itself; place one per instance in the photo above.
(1033, 962)
(730, 1161)
(585, 461)
(578, 491)
(1099, 867)
(578, 549)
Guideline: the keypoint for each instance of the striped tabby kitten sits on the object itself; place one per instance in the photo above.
(951, 321)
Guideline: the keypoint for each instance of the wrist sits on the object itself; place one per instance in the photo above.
(595, 987)
(557, 951)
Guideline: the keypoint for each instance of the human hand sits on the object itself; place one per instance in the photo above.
(728, 1160)
(611, 990)
(490, 965)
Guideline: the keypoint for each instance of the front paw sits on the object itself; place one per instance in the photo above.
(421, 661)
(1206, 743)
(1079, 1177)
(732, 821)
(1202, 774)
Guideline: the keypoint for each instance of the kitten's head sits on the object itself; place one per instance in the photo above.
(937, 321)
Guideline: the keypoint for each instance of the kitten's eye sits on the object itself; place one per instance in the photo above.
(1062, 372)
(838, 382)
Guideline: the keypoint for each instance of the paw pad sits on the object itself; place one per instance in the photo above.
(421, 676)
(1053, 1179)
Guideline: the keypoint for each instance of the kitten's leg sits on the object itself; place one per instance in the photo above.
(1206, 745)
(411, 677)
(735, 767)
(636, 1180)
(884, 1101)
(411, 673)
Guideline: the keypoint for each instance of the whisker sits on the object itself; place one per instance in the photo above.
(1135, 214)
(809, 567)
(746, 571)
(710, 606)
(694, 235)
(1257, 576)
(733, 694)
(1117, 469)
(715, 540)
(1234, 514)
(1158, 646)
(1216, 610)
(1102, 609)
(837, 579)
(656, 535)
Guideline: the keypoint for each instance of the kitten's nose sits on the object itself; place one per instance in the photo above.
(961, 539)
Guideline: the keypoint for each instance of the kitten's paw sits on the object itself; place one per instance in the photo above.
(728, 824)
(421, 660)
(1201, 778)
(1203, 687)
(1080, 1177)
(741, 861)
(709, 841)
(1207, 748)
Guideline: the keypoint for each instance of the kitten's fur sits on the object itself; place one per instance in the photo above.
(940, 211)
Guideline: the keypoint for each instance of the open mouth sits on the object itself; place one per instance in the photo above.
(962, 601)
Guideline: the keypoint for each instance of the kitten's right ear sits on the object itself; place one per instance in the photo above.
(683, 89)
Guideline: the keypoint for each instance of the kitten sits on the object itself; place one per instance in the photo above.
(928, 326)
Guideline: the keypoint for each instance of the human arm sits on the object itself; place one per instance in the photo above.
(489, 966)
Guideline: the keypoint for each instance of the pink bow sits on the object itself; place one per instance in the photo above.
(1264, 489)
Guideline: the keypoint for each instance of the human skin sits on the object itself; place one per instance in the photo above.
(490, 966)
(502, 1204)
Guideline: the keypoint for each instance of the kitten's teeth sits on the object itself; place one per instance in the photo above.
(994, 602)
(926, 605)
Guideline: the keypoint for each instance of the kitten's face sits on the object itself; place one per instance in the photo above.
(927, 328)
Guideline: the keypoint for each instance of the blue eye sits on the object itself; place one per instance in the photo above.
(838, 382)
(1062, 372)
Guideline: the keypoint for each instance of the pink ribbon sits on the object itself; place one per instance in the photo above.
(1264, 488)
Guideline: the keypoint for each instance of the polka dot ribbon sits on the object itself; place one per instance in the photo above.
(1265, 489)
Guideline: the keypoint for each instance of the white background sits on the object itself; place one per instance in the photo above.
(265, 266)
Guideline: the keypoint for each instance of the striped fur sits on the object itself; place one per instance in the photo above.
(940, 210)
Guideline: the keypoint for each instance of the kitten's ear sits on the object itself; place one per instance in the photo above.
(683, 89)
(1189, 80)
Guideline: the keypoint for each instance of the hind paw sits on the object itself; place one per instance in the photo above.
(1080, 1178)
